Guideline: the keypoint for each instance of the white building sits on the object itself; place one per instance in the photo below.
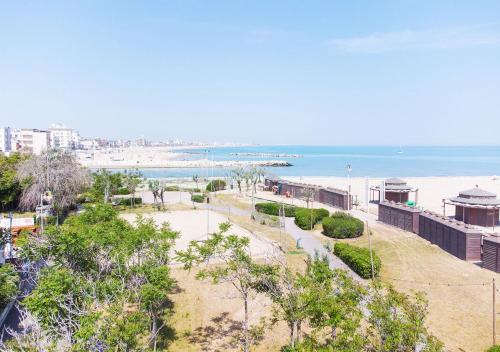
(62, 137)
(5, 140)
(30, 140)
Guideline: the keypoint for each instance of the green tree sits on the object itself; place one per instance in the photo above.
(237, 267)
(397, 322)
(131, 181)
(106, 184)
(105, 279)
(10, 185)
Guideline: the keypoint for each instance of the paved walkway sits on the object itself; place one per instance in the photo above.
(307, 240)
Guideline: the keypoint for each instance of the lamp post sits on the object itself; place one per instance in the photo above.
(349, 169)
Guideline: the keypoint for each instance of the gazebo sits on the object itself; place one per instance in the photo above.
(395, 190)
(475, 207)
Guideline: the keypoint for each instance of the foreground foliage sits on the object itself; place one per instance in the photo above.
(234, 264)
(9, 281)
(10, 186)
(104, 287)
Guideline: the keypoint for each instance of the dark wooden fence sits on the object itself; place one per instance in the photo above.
(399, 215)
(330, 196)
(491, 253)
(457, 238)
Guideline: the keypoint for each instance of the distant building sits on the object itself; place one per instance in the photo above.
(5, 140)
(30, 140)
(62, 137)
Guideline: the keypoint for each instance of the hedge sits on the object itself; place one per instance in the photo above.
(342, 225)
(198, 198)
(271, 208)
(128, 201)
(358, 259)
(304, 216)
(122, 191)
(172, 189)
(216, 185)
(9, 279)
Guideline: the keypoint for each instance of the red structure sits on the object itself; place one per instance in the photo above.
(475, 207)
(395, 190)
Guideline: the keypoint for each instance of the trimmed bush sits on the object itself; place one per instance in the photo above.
(216, 185)
(342, 225)
(304, 217)
(358, 259)
(123, 191)
(271, 208)
(9, 279)
(198, 198)
(128, 201)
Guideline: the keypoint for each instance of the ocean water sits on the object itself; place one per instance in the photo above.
(375, 161)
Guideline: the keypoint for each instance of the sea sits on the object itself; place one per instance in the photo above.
(362, 161)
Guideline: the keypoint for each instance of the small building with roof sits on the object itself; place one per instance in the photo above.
(394, 190)
(475, 206)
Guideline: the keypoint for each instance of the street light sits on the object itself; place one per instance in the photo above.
(349, 169)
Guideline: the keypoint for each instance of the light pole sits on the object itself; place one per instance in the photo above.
(349, 169)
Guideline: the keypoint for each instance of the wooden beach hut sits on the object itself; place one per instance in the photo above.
(395, 190)
(475, 206)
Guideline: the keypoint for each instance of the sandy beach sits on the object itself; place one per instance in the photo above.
(431, 190)
(161, 157)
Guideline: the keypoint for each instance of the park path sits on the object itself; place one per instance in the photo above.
(308, 242)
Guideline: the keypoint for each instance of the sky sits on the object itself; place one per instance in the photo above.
(401, 72)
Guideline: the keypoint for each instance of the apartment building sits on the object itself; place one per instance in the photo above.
(30, 140)
(5, 140)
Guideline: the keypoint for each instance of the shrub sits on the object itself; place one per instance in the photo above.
(216, 185)
(358, 259)
(172, 189)
(123, 191)
(128, 201)
(198, 198)
(8, 283)
(495, 348)
(304, 217)
(341, 225)
(271, 208)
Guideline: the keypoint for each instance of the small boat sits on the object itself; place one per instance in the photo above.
(400, 151)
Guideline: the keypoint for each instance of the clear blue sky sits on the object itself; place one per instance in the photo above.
(272, 72)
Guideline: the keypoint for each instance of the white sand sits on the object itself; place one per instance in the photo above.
(431, 190)
(193, 227)
(158, 157)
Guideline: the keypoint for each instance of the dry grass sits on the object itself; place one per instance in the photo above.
(207, 317)
(460, 316)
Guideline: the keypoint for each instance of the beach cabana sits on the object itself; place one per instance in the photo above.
(475, 207)
(395, 190)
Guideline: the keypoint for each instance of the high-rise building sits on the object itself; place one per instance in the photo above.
(5, 140)
(62, 137)
(30, 140)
